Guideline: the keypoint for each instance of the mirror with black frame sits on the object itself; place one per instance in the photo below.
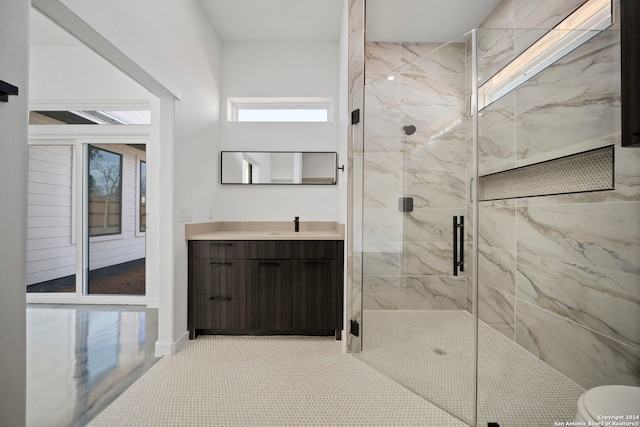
(278, 167)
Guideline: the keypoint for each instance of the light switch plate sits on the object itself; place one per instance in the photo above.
(186, 213)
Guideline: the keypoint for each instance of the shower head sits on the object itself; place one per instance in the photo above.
(409, 129)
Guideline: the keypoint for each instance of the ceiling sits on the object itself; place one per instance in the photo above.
(275, 20)
(320, 20)
(424, 20)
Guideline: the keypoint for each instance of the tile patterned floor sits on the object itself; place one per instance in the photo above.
(515, 388)
(81, 358)
(268, 381)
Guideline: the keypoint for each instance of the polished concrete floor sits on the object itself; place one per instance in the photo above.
(81, 358)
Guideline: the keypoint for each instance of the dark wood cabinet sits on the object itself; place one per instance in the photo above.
(313, 294)
(630, 72)
(269, 296)
(266, 287)
(219, 294)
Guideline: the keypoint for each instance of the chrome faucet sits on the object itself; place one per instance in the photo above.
(296, 222)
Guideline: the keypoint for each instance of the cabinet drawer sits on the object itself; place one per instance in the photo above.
(218, 277)
(315, 249)
(218, 249)
(268, 249)
(218, 312)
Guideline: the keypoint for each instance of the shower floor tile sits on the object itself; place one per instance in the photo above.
(431, 353)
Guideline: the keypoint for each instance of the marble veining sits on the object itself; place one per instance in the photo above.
(430, 225)
(420, 89)
(497, 268)
(382, 93)
(389, 163)
(382, 189)
(562, 123)
(381, 57)
(433, 58)
(543, 13)
(586, 357)
(381, 263)
(382, 129)
(436, 190)
(428, 258)
(356, 29)
(438, 156)
(438, 292)
(497, 112)
(497, 224)
(429, 165)
(433, 123)
(580, 73)
(414, 293)
(503, 16)
(497, 146)
(497, 309)
(606, 235)
(603, 300)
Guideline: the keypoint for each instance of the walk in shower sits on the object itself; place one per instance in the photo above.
(495, 263)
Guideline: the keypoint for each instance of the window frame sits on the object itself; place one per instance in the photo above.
(120, 198)
(139, 162)
(236, 104)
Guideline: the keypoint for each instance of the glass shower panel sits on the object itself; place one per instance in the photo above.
(417, 323)
(558, 279)
(355, 241)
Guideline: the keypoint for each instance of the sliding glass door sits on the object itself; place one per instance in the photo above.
(86, 220)
(115, 220)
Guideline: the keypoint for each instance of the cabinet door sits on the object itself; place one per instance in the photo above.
(269, 296)
(218, 294)
(315, 302)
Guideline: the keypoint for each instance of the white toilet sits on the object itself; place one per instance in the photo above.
(601, 403)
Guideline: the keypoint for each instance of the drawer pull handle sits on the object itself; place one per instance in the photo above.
(313, 264)
(270, 263)
(220, 298)
(221, 244)
(221, 263)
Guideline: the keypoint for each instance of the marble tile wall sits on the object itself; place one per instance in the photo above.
(560, 275)
(408, 256)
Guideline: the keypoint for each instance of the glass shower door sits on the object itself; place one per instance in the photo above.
(418, 326)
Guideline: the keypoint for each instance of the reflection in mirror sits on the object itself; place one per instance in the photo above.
(278, 167)
(576, 29)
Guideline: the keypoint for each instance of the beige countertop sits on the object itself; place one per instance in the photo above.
(264, 231)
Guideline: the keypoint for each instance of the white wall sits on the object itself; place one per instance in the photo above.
(284, 69)
(75, 75)
(14, 26)
(51, 237)
(174, 44)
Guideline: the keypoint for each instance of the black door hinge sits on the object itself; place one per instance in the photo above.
(355, 116)
(355, 328)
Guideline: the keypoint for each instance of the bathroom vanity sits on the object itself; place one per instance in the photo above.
(265, 278)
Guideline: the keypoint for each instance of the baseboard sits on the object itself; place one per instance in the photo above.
(167, 349)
